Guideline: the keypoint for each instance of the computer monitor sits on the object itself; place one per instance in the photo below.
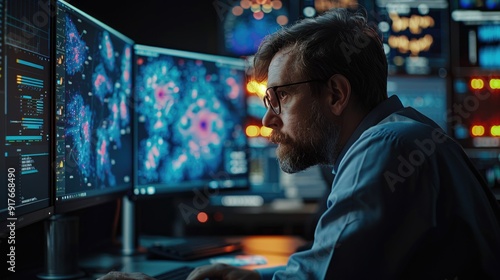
(26, 102)
(428, 95)
(475, 74)
(415, 35)
(93, 126)
(189, 124)
(93, 129)
(475, 85)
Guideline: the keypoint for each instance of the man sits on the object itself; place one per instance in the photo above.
(406, 203)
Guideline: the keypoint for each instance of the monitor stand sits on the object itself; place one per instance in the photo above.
(62, 243)
(61, 248)
(129, 241)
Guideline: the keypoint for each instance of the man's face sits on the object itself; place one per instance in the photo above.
(304, 130)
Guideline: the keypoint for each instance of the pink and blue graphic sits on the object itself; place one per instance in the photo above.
(103, 160)
(155, 147)
(125, 93)
(113, 128)
(190, 116)
(126, 66)
(107, 51)
(157, 91)
(97, 125)
(79, 133)
(101, 82)
(76, 49)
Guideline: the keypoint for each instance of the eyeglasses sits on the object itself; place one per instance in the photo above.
(272, 98)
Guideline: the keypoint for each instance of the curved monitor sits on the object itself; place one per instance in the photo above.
(93, 113)
(189, 123)
(25, 102)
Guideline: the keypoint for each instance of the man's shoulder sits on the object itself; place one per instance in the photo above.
(401, 133)
(405, 124)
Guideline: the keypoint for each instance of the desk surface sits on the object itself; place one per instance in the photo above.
(275, 249)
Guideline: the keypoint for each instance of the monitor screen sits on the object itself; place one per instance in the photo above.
(415, 35)
(477, 38)
(25, 101)
(189, 123)
(428, 95)
(475, 69)
(93, 83)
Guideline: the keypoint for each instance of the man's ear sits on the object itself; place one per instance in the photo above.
(340, 91)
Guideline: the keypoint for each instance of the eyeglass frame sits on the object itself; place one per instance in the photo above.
(267, 100)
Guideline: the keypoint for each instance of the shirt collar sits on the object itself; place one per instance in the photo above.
(380, 112)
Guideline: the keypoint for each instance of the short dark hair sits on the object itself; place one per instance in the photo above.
(338, 41)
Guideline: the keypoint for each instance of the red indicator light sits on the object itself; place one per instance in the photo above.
(202, 217)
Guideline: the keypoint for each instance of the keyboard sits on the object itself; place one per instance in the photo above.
(193, 249)
(180, 273)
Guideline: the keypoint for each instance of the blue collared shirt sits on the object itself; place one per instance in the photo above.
(406, 203)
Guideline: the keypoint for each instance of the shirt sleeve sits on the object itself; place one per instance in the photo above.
(377, 212)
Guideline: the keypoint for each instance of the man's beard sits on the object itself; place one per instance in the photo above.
(316, 143)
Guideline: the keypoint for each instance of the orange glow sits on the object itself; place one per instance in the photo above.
(245, 4)
(273, 245)
(252, 86)
(257, 88)
(415, 46)
(237, 11)
(265, 131)
(414, 23)
(495, 83)
(477, 83)
(324, 5)
(495, 130)
(477, 130)
(282, 20)
(277, 4)
(202, 217)
(258, 15)
(252, 131)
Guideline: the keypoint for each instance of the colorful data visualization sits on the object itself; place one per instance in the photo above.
(190, 123)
